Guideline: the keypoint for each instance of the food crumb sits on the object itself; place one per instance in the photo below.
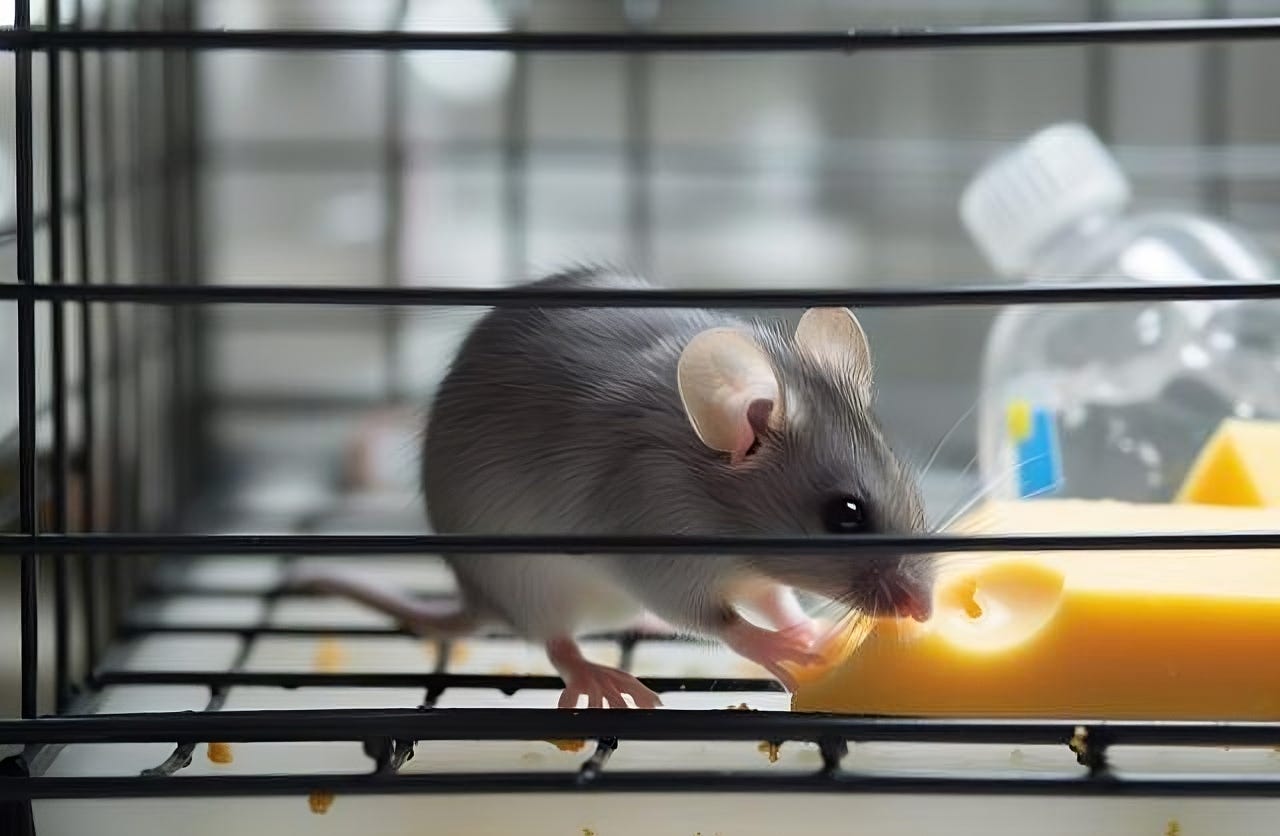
(330, 656)
(742, 706)
(1174, 829)
(586, 831)
(770, 749)
(1079, 741)
(320, 802)
(568, 745)
(220, 753)
(459, 653)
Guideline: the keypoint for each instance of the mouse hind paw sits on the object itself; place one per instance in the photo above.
(605, 687)
(601, 685)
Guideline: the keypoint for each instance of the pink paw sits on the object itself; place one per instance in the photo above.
(771, 649)
(808, 631)
(605, 687)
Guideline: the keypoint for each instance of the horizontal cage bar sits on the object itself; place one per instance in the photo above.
(347, 544)
(1037, 294)
(608, 781)
(139, 628)
(634, 724)
(507, 683)
(852, 40)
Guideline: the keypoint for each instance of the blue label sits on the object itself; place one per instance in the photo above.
(1039, 457)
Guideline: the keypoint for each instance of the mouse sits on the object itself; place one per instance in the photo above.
(658, 421)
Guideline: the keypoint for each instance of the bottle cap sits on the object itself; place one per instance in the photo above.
(1032, 192)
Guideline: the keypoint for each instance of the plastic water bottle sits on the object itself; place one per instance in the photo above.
(1109, 400)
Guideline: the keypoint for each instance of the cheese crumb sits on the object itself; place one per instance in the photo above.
(330, 656)
(220, 753)
(320, 802)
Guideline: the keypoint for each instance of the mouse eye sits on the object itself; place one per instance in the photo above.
(844, 515)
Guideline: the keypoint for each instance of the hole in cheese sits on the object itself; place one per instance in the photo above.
(962, 594)
(997, 605)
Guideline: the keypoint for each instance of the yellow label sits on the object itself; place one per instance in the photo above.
(1018, 420)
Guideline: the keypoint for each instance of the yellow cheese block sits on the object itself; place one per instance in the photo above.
(1239, 465)
(1097, 635)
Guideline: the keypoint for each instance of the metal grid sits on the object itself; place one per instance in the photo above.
(162, 185)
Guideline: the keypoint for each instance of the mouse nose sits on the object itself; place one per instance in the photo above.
(913, 603)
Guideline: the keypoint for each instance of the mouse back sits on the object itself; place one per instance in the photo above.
(564, 420)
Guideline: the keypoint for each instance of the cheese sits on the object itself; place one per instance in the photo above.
(1239, 465)
(1153, 635)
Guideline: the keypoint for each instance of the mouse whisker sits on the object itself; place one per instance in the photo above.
(933, 457)
(986, 491)
(838, 610)
(964, 474)
(848, 633)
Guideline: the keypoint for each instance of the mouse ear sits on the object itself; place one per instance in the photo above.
(834, 337)
(729, 389)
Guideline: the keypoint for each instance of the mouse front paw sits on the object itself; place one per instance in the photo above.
(807, 631)
(771, 649)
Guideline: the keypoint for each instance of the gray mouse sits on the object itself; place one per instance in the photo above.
(607, 421)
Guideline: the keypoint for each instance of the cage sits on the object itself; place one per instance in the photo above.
(244, 240)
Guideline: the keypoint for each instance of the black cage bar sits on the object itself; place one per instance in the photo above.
(120, 292)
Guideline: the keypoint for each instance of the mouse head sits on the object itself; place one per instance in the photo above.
(795, 449)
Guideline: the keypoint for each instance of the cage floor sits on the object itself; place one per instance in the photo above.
(204, 618)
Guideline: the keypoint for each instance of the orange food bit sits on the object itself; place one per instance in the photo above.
(220, 753)
(320, 802)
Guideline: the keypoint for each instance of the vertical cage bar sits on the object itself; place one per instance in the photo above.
(57, 326)
(139, 180)
(175, 169)
(194, 160)
(88, 579)
(115, 437)
(140, 165)
(1215, 113)
(1098, 77)
(166, 259)
(639, 162)
(393, 167)
(638, 83)
(25, 180)
(515, 156)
